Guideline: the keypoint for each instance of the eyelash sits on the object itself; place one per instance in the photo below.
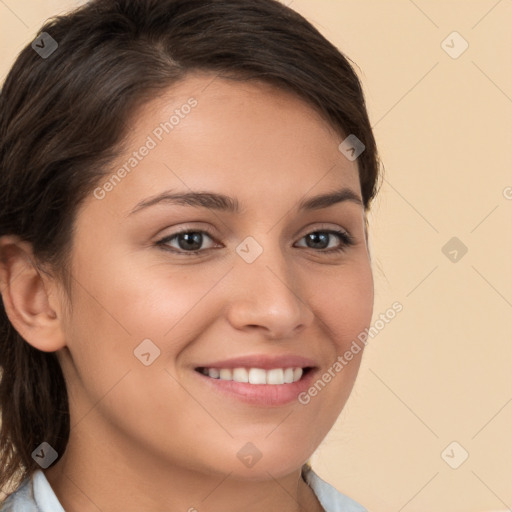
(345, 239)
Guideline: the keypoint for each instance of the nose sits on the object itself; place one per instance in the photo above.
(266, 295)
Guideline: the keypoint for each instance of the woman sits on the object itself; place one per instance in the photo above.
(184, 258)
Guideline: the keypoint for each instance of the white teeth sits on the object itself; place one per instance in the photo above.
(257, 376)
(288, 375)
(275, 376)
(240, 375)
(225, 374)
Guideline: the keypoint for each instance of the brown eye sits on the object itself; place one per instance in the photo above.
(184, 242)
(320, 240)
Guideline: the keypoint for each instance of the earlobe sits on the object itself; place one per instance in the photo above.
(26, 295)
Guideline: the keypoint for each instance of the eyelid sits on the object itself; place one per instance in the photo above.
(321, 226)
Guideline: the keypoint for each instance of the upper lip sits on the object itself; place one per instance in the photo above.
(264, 361)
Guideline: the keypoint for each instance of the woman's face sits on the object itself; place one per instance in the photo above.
(156, 317)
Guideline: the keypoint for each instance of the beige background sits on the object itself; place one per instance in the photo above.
(440, 371)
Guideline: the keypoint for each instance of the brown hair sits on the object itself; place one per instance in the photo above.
(63, 120)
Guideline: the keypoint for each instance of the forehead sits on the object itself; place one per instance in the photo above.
(248, 139)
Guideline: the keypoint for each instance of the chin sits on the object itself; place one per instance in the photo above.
(257, 464)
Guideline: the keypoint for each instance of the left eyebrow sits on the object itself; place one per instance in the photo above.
(221, 202)
(326, 200)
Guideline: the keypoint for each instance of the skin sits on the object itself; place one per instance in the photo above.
(157, 432)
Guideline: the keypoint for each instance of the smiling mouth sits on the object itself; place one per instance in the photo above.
(257, 376)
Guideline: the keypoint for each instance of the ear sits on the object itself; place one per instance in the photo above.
(30, 298)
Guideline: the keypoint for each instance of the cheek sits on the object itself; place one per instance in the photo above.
(118, 306)
(169, 306)
(344, 308)
(114, 310)
(344, 304)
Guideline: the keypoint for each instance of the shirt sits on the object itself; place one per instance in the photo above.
(36, 495)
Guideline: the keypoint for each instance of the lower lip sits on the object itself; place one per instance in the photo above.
(264, 395)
